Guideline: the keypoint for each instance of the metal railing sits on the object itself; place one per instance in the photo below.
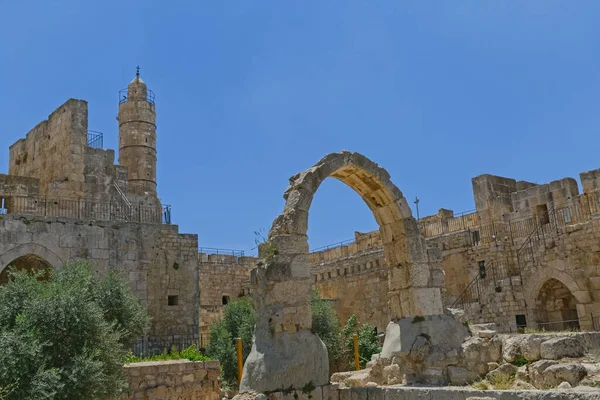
(85, 209)
(95, 139)
(147, 347)
(219, 256)
(124, 96)
(334, 245)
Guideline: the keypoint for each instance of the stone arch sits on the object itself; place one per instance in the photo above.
(533, 287)
(30, 249)
(556, 307)
(411, 287)
(285, 351)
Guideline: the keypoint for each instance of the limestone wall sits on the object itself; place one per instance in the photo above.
(175, 379)
(222, 279)
(56, 153)
(160, 263)
(355, 285)
(564, 253)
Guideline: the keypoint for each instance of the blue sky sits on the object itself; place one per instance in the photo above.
(249, 93)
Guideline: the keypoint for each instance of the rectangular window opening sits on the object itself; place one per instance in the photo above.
(476, 238)
(521, 321)
(541, 211)
(173, 300)
(225, 300)
(567, 215)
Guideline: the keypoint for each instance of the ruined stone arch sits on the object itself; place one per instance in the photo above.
(286, 352)
(412, 289)
(33, 249)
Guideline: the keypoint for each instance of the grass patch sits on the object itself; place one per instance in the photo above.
(496, 382)
(191, 353)
(480, 385)
(520, 361)
(501, 381)
(418, 319)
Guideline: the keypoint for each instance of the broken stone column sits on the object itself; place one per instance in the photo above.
(285, 352)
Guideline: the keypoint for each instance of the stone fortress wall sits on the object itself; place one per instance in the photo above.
(529, 255)
(223, 278)
(64, 198)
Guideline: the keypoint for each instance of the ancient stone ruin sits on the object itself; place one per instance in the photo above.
(285, 352)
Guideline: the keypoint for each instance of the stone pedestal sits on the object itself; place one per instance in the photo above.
(425, 346)
(289, 360)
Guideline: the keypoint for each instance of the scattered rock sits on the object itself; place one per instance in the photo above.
(353, 378)
(571, 373)
(522, 385)
(504, 369)
(370, 384)
(458, 314)
(522, 373)
(564, 385)
(511, 348)
(561, 347)
(492, 366)
(392, 373)
(591, 381)
(530, 347)
(486, 334)
(460, 376)
(536, 370)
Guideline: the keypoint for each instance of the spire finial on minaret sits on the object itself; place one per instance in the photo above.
(137, 71)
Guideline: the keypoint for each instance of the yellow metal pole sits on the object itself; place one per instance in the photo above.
(239, 359)
(356, 362)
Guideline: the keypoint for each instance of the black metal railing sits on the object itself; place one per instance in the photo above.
(86, 209)
(95, 139)
(596, 322)
(559, 326)
(219, 256)
(334, 245)
(124, 96)
(147, 347)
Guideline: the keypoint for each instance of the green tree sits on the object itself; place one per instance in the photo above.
(368, 343)
(326, 325)
(238, 320)
(64, 337)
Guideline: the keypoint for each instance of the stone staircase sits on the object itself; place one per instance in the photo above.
(502, 277)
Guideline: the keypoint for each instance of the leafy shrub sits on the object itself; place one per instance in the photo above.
(326, 325)
(190, 353)
(501, 381)
(368, 343)
(66, 337)
(238, 321)
(520, 361)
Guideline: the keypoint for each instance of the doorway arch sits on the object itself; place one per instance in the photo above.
(556, 307)
(28, 256)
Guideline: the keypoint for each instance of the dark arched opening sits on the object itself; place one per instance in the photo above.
(556, 307)
(28, 262)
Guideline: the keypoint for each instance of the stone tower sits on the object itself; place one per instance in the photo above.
(137, 136)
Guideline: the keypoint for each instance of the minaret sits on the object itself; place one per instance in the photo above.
(137, 136)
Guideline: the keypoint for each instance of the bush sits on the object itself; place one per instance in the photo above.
(238, 321)
(190, 353)
(326, 325)
(368, 343)
(66, 337)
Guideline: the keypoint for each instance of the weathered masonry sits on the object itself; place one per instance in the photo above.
(64, 198)
(528, 256)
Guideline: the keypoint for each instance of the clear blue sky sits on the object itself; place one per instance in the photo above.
(249, 93)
